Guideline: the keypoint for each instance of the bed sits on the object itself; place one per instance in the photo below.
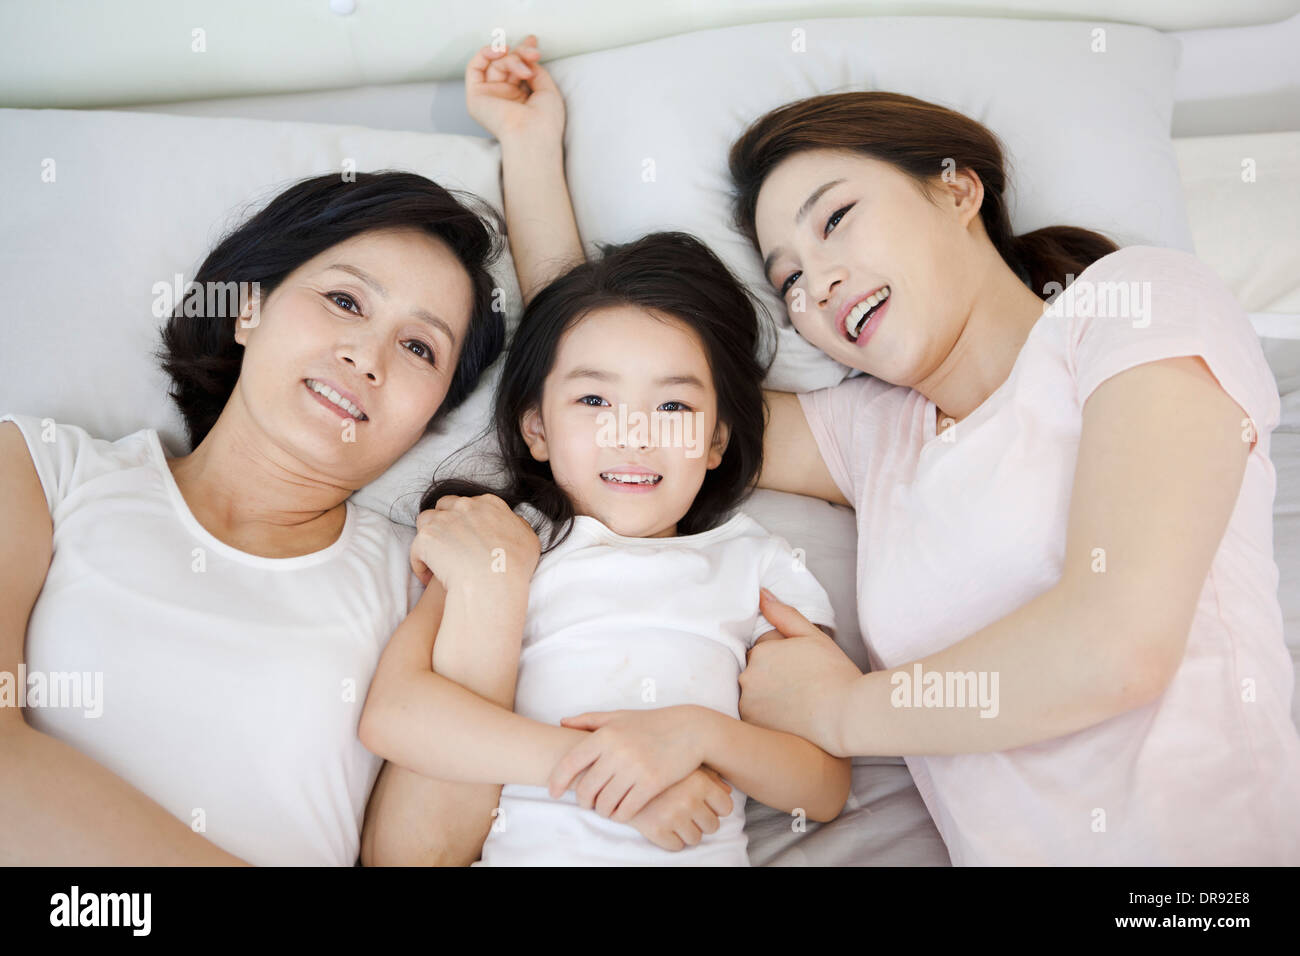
(102, 208)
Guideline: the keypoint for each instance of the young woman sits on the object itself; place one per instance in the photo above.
(230, 605)
(1069, 505)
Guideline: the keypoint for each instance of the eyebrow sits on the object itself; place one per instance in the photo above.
(603, 376)
(423, 315)
(798, 218)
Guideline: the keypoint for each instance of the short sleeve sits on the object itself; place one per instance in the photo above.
(1144, 304)
(842, 419)
(54, 449)
(788, 578)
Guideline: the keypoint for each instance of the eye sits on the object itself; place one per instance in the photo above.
(336, 296)
(681, 407)
(785, 286)
(835, 218)
(425, 352)
(596, 399)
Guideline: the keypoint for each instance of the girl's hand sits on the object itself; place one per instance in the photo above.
(681, 815)
(479, 540)
(800, 684)
(631, 758)
(512, 96)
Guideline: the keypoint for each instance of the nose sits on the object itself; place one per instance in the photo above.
(363, 356)
(635, 429)
(824, 298)
(823, 280)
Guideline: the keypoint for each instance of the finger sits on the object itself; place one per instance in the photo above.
(707, 820)
(479, 63)
(569, 766)
(498, 73)
(719, 800)
(633, 802)
(447, 502)
(689, 834)
(509, 67)
(589, 721)
(610, 802)
(671, 842)
(517, 66)
(593, 784)
(782, 616)
(541, 79)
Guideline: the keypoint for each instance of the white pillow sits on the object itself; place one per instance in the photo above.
(1087, 133)
(136, 198)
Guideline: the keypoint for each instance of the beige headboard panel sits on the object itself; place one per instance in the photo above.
(86, 53)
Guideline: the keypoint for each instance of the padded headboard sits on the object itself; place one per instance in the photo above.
(89, 53)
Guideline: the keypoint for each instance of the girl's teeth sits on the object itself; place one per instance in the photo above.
(631, 479)
(857, 318)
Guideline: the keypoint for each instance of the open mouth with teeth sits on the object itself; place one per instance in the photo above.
(862, 313)
(630, 478)
(335, 399)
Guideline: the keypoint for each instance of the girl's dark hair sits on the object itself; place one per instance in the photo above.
(199, 351)
(669, 273)
(918, 138)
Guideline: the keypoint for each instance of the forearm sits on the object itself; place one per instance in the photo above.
(543, 233)
(60, 807)
(1052, 667)
(431, 724)
(413, 819)
(437, 728)
(779, 769)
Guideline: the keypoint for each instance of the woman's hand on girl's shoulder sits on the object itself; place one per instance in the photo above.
(474, 542)
(511, 95)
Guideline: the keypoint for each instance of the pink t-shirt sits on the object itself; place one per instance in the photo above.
(956, 532)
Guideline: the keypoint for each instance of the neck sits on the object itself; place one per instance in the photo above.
(253, 495)
(1003, 313)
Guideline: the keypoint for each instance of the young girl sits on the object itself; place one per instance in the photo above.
(630, 425)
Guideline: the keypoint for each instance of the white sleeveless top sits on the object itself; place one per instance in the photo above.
(225, 686)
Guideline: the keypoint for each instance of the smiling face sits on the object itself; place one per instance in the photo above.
(635, 468)
(351, 355)
(836, 227)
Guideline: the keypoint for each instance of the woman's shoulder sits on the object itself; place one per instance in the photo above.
(67, 455)
(1159, 267)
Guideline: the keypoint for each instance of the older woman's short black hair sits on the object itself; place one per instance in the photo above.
(199, 351)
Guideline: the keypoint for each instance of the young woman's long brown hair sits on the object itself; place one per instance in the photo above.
(922, 140)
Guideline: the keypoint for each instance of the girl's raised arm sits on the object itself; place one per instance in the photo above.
(514, 98)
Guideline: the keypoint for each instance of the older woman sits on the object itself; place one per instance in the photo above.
(226, 609)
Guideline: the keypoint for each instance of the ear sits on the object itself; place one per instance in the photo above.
(534, 432)
(967, 192)
(721, 435)
(250, 315)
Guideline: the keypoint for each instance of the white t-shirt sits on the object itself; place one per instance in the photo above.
(618, 623)
(231, 685)
(955, 533)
